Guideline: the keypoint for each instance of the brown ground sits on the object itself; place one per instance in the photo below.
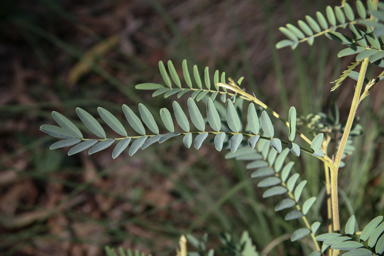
(45, 197)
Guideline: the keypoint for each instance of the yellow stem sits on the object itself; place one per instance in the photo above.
(343, 142)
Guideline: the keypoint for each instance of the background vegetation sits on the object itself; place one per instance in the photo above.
(56, 55)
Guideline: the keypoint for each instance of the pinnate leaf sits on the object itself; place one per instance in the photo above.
(91, 123)
(167, 119)
(236, 141)
(219, 141)
(64, 143)
(133, 120)
(213, 116)
(196, 117)
(148, 86)
(100, 146)
(67, 125)
(200, 139)
(55, 131)
(164, 74)
(181, 118)
(136, 145)
(300, 233)
(112, 121)
(148, 119)
(81, 147)
(120, 147)
(233, 119)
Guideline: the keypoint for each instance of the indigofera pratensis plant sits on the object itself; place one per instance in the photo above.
(216, 109)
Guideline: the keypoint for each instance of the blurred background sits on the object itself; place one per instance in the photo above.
(62, 54)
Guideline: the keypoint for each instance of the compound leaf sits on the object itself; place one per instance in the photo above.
(263, 172)
(315, 226)
(236, 141)
(358, 252)
(55, 131)
(280, 160)
(100, 146)
(285, 204)
(253, 119)
(173, 73)
(300, 233)
(148, 86)
(120, 147)
(219, 141)
(276, 144)
(308, 204)
(292, 181)
(322, 21)
(148, 119)
(67, 125)
(206, 78)
(299, 189)
(253, 140)
(200, 139)
(313, 24)
(91, 123)
(81, 146)
(292, 123)
(197, 77)
(167, 119)
(187, 140)
(233, 119)
(64, 143)
(151, 140)
(370, 227)
(293, 215)
(278, 190)
(164, 74)
(361, 9)
(350, 226)
(187, 77)
(181, 118)
(136, 145)
(196, 117)
(213, 116)
(317, 141)
(269, 182)
(112, 121)
(266, 125)
(133, 120)
(286, 170)
(349, 12)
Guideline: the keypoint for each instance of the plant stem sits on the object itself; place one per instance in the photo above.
(343, 142)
